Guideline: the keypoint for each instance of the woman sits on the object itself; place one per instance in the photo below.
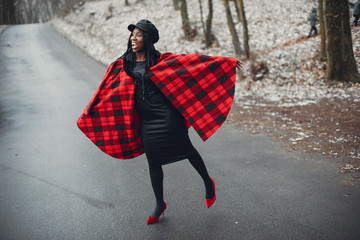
(148, 100)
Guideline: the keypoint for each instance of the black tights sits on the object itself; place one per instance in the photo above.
(157, 176)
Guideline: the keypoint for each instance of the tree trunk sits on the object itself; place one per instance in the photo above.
(126, 3)
(235, 38)
(7, 12)
(350, 68)
(341, 65)
(245, 28)
(176, 4)
(185, 19)
(322, 30)
(238, 14)
(209, 35)
(207, 26)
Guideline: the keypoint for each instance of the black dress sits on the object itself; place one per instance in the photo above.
(163, 130)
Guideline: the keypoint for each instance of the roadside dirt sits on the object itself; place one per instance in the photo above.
(331, 128)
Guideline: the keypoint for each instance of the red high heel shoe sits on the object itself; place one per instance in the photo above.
(156, 219)
(210, 201)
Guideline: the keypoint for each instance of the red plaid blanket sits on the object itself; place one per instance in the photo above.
(201, 87)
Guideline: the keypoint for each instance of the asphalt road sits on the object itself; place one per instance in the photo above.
(55, 184)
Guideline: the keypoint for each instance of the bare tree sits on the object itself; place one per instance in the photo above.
(322, 30)
(207, 26)
(176, 4)
(240, 4)
(238, 14)
(7, 12)
(341, 65)
(185, 20)
(235, 38)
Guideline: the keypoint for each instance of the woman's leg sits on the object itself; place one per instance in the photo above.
(198, 163)
(157, 176)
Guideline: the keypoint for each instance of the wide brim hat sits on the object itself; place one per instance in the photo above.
(146, 26)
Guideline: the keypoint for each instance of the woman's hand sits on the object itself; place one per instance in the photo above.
(239, 64)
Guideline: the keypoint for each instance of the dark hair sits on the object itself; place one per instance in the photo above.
(150, 52)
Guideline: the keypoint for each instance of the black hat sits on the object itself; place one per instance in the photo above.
(146, 26)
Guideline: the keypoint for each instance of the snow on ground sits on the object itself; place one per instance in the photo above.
(294, 78)
(2, 28)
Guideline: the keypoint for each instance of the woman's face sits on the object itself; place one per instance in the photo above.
(136, 39)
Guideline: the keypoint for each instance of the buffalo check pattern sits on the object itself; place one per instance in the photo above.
(201, 87)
